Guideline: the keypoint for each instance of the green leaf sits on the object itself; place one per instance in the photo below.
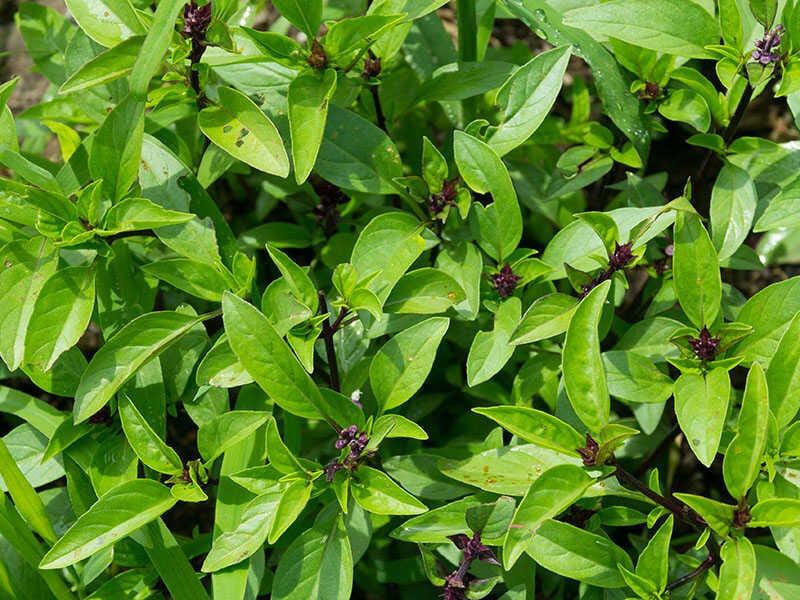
(772, 512)
(196, 278)
(296, 278)
(134, 214)
(226, 430)
(293, 501)
(669, 26)
(535, 426)
(117, 147)
(375, 492)
(718, 515)
(527, 97)
(280, 457)
(582, 364)
(401, 366)
(578, 554)
(770, 312)
(484, 171)
(738, 571)
(701, 405)
(306, 15)
(634, 378)
(764, 11)
(355, 33)
(238, 126)
(114, 516)
(60, 315)
(744, 454)
(247, 537)
(146, 443)
(424, 291)
(490, 350)
(317, 565)
(107, 22)
(554, 491)
(356, 155)
(107, 66)
(783, 376)
(118, 360)
(309, 95)
(733, 205)
(624, 109)
(686, 106)
(546, 317)
(268, 359)
(698, 284)
(26, 265)
(436, 525)
(463, 262)
(492, 519)
(458, 81)
(653, 562)
(388, 246)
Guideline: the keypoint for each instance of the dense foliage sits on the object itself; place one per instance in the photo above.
(329, 306)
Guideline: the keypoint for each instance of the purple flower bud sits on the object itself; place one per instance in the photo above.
(505, 282)
(589, 451)
(621, 256)
(438, 202)
(340, 443)
(330, 470)
(704, 346)
(196, 19)
(763, 53)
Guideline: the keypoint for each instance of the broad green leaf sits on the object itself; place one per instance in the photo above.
(47, 34)
(355, 33)
(546, 317)
(401, 366)
(146, 443)
(114, 516)
(508, 470)
(60, 315)
(221, 368)
(159, 36)
(107, 22)
(317, 565)
(26, 265)
(356, 155)
(419, 474)
(634, 378)
(582, 364)
(117, 147)
(118, 360)
(733, 205)
(783, 376)
(527, 97)
(296, 278)
(718, 515)
(38, 413)
(306, 15)
(484, 171)
(554, 491)
(764, 11)
(730, 23)
(424, 291)
(738, 571)
(293, 500)
(701, 405)
(770, 313)
(436, 525)
(577, 554)
(491, 519)
(249, 535)
(388, 245)
(744, 454)
(226, 430)
(196, 278)
(399, 427)
(463, 262)
(490, 350)
(458, 81)
(238, 126)
(782, 512)
(653, 562)
(375, 492)
(268, 359)
(535, 426)
(280, 457)
(107, 66)
(669, 26)
(309, 95)
(698, 284)
(624, 109)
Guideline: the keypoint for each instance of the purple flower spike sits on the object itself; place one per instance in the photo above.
(196, 19)
(763, 52)
(505, 282)
(704, 346)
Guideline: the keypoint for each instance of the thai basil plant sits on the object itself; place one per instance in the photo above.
(370, 300)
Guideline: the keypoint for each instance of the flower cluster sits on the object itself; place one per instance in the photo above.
(704, 346)
(438, 202)
(349, 437)
(619, 259)
(372, 66)
(589, 451)
(196, 20)
(764, 47)
(505, 281)
(472, 547)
